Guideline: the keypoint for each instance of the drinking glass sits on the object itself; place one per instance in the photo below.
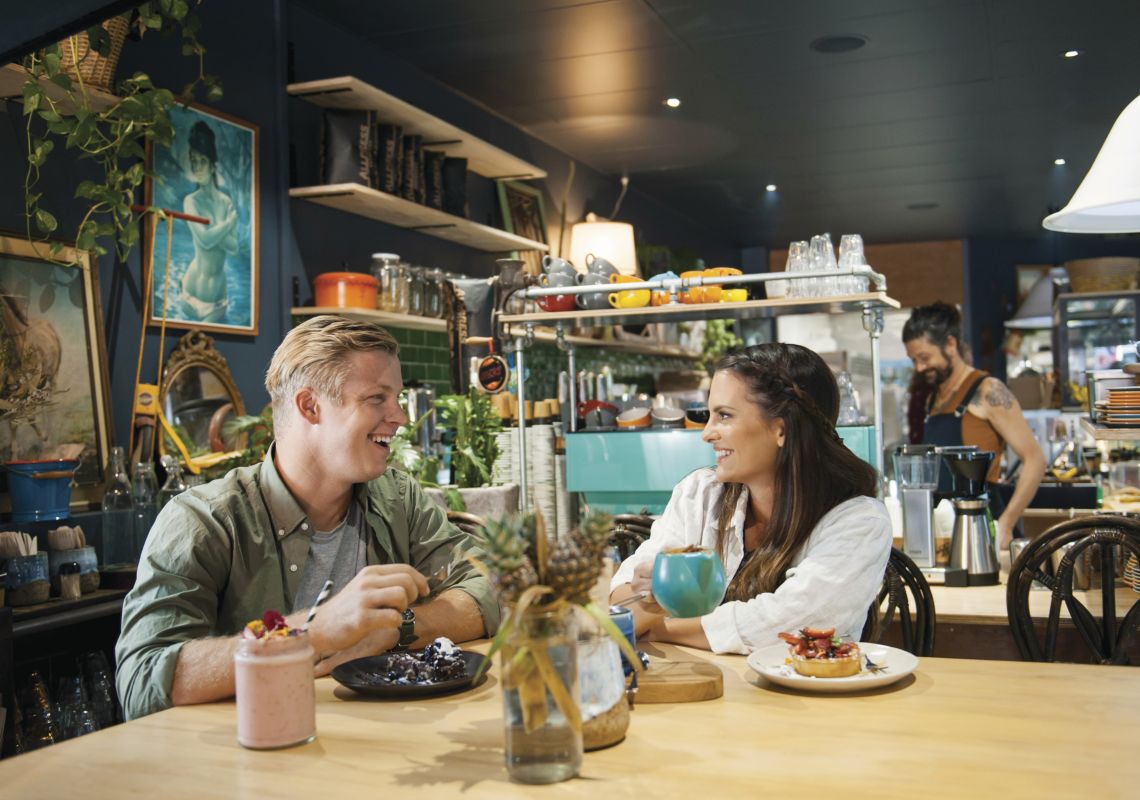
(850, 256)
(797, 262)
(821, 257)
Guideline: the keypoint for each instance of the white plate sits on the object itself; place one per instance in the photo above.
(769, 662)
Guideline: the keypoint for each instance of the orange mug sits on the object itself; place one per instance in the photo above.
(695, 294)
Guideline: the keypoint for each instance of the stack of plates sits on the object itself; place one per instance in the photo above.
(1123, 407)
(506, 467)
(540, 474)
(563, 498)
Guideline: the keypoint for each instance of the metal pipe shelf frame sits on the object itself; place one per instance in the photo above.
(521, 327)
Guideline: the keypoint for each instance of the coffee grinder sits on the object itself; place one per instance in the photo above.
(972, 546)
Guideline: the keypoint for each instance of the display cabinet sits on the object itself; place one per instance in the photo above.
(1092, 330)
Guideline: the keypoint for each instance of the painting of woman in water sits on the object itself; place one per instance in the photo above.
(209, 172)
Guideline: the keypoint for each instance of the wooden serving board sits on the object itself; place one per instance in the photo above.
(679, 682)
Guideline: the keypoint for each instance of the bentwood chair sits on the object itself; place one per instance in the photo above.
(1054, 559)
(630, 530)
(469, 523)
(904, 593)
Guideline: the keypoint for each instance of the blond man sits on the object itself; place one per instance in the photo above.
(322, 506)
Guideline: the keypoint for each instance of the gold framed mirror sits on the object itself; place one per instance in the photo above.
(197, 395)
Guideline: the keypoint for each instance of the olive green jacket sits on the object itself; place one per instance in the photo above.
(222, 554)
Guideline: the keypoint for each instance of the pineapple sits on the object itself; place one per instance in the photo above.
(576, 559)
(505, 544)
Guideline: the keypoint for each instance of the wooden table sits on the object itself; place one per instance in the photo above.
(971, 622)
(955, 728)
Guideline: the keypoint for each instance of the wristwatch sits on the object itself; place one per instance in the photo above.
(407, 631)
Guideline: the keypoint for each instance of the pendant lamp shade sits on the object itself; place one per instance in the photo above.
(1036, 311)
(1108, 199)
(612, 241)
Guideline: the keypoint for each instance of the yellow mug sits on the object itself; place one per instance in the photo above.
(713, 290)
(733, 295)
(632, 298)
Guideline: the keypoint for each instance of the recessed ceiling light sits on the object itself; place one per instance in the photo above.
(673, 102)
(839, 43)
(1060, 162)
(922, 206)
(771, 187)
(1072, 53)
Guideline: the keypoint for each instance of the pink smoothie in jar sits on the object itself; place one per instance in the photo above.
(276, 702)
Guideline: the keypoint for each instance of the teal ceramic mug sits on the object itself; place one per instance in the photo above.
(688, 582)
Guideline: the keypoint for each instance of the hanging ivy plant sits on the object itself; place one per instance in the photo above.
(114, 137)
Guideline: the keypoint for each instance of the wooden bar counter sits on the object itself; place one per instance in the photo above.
(955, 728)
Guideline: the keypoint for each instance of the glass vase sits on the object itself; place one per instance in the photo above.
(540, 698)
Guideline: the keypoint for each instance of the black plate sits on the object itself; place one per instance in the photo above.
(366, 675)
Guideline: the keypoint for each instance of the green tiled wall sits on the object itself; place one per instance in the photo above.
(544, 361)
(424, 357)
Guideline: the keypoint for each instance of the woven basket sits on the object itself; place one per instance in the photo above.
(1103, 274)
(79, 62)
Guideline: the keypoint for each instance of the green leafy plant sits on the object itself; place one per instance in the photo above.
(719, 339)
(474, 449)
(258, 428)
(407, 456)
(114, 137)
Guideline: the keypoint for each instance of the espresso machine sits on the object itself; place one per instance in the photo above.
(972, 546)
(916, 471)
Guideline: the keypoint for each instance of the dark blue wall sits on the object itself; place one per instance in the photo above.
(248, 45)
(991, 281)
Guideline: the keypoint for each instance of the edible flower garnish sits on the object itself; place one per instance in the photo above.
(271, 626)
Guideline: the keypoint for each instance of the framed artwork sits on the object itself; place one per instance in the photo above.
(54, 401)
(210, 171)
(523, 215)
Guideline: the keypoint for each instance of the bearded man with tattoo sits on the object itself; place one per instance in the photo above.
(969, 407)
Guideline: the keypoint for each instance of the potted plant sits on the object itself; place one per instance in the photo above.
(544, 587)
(474, 449)
(60, 110)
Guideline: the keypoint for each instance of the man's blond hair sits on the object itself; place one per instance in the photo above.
(315, 354)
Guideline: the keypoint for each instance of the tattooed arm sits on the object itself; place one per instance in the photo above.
(996, 404)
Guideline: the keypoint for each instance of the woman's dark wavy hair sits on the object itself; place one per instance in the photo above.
(814, 469)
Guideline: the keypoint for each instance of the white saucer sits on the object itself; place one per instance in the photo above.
(769, 662)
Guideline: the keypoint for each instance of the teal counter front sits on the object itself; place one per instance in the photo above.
(634, 472)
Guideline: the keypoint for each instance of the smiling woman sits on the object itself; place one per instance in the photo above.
(788, 508)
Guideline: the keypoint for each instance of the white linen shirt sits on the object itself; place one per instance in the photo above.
(832, 582)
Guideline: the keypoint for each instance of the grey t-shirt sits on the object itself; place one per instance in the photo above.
(335, 555)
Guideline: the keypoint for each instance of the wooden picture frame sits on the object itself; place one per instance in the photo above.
(210, 171)
(524, 215)
(53, 361)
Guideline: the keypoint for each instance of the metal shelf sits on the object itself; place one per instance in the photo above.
(406, 321)
(622, 345)
(352, 94)
(366, 202)
(683, 312)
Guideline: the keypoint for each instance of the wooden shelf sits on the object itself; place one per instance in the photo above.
(1105, 433)
(13, 77)
(389, 318)
(351, 94)
(366, 202)
(682, 312)
(623, 345)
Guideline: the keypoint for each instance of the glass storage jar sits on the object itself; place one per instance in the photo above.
(433, 293)
(416, 291)
(385, 269)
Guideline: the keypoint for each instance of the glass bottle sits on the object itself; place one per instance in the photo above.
(433, 293)
(174, 484)
(118, 514)
(144, 493)
(401, 298)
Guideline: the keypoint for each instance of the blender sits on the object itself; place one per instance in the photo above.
(972, 546)
(916, 470)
